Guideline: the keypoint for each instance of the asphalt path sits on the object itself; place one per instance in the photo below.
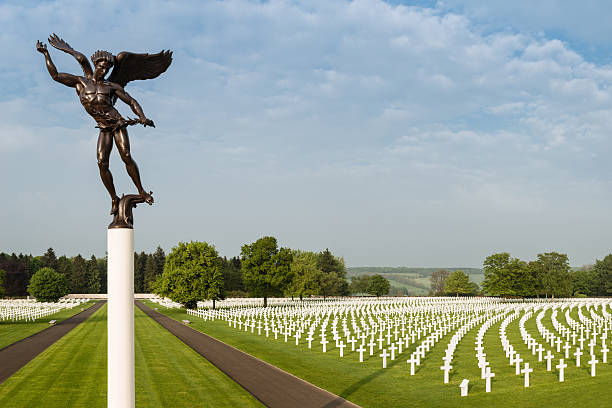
(18, 354)
(269, 384)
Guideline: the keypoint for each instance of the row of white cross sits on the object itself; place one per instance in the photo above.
(390, 327)
(30, 310)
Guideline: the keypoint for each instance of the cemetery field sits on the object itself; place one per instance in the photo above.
(10, 332)
(72, 372)
(368, 384)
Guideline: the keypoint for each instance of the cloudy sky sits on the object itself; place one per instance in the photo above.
(399, 133)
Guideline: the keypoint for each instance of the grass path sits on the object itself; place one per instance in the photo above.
(368, 385)
(72, 372)
(10, 332)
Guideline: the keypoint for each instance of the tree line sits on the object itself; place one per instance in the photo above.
(549, 275)
(194, 271)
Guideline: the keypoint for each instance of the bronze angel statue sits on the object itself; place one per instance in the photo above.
(98, 97)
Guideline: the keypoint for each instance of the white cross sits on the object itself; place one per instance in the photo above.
(517, 361)
(464, 387)
(561, 367)
(548, 357)
(361, 349)
(540, 350)
(577, 354)
(371, 344)
(488, 376)
(384, 356)
(446, 367)
(310, 339)
(604, 351)
(324, 342)
(482, 364)
(412, 361)
(526, 371)
(341, 346)
(393, 348)
(352, 340)
(567, 348)
(593, 362)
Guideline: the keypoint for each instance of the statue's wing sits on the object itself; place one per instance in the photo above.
(62, 45)
(130, 66)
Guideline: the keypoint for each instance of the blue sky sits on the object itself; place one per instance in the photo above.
(394, 133)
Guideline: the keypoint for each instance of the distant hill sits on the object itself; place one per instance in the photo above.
(410, 281)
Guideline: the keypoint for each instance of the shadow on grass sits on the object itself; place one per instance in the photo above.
(350, 390)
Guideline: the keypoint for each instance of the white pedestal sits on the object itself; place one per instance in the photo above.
(121, 387)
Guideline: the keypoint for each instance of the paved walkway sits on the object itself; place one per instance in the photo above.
(269, 384)
(20, 353)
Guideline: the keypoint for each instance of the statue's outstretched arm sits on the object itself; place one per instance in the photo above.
(125, 97)
(62, 45)
(63, 78)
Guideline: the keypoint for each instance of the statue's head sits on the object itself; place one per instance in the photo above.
(103, 61)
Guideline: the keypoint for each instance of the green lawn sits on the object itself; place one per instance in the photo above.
(72, 372)
(10, 332)
(368, 385)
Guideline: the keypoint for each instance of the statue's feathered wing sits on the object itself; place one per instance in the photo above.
(130, 66)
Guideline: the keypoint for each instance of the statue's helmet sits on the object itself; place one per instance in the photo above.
(102, 55)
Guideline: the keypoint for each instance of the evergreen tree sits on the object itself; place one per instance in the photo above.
(160, 260)
(150, 273)
(2, 283)
(102, 272)
(140, 261)
(79, 282)
(64, 266)
(49, 260)
(93, 276)
(603, 270)
(333, 282)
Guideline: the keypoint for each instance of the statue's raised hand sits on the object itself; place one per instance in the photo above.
(147, 122)
(40, 47)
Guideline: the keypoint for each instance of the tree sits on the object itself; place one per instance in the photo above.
(49, 259)
(307, 277)
(266, 269)
(359, 284)
(585, 281)
(140, 261)
(458, 283)
(64, 266)
(603, 270)
(378, 286)
(333, 281)
(2, 283)
(437, 282)
(47, 285)
(551, 272)
(505, 276)
(191, 273)
(79, 282)
(150, 273)
(93, 276)
(232, 274)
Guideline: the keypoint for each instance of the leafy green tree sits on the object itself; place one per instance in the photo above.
(458, 283)
(232, 275)
(378, 285)
(437, 282)
(505, 276)
(79, 282)
(359, 284)
(603, 269)
(191, 273)
(551, 272)
(585, 281)
(266, 269)
(307, 277)
(47, 285)
(2, 283)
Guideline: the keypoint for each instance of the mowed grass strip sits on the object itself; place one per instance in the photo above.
(171, 374)
(72, 372)
(10, 332)
(368, 385)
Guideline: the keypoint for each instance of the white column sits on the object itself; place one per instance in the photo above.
(121, 388)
